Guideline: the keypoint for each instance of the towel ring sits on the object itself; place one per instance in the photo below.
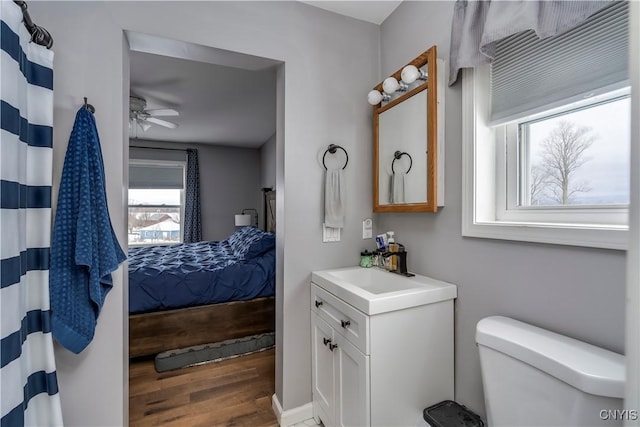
(399, 154)
(332, 149)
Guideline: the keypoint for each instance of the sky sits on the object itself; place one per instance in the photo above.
(154, 197)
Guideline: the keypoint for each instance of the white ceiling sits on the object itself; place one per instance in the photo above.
(370, 11)
(217, 104)
(223, 97)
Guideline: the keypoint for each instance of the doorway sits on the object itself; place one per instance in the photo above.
(237, 163)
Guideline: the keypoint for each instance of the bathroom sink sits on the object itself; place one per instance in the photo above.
(375, 291)
(374, 280)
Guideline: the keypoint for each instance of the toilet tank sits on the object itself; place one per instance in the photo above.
(534, 377)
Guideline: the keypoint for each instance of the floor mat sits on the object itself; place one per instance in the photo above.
(215, 352)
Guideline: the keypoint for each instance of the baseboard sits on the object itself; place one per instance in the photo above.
(291, 416)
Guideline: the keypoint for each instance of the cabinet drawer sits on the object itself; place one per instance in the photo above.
(345, 319)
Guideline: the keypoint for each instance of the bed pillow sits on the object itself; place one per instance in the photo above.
(251, 242)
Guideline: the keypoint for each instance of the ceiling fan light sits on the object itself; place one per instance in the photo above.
(145, 126)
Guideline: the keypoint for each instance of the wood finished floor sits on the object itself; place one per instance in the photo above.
(234, 392)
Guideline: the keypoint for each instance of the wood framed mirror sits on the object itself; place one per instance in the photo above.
(405, 145)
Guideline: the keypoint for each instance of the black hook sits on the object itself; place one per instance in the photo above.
(332, 149)
(399, 154)
(89, 106)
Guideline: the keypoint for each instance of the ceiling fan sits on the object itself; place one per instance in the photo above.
(144, 118)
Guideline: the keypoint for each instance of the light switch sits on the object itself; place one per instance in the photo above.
(330, 234)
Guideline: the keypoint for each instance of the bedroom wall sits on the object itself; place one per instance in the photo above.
(229, 182)
(316, 48)
(578, 292)
(268, 163)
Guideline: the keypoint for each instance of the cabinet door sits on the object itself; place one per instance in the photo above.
(323, 367)
(352, 385)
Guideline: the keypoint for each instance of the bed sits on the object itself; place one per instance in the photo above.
(191, 294)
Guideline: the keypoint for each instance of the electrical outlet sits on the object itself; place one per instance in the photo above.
(330, 234)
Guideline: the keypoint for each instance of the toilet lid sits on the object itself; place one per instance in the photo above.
(586, 367)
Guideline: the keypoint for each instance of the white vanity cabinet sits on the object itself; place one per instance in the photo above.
(341, 378)
(380, 368)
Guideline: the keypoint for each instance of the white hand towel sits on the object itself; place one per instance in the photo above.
(334, 198)
(396, 188)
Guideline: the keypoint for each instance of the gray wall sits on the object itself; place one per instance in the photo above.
(316, 47)
(229, 182)
(574, 291)
(268, 163)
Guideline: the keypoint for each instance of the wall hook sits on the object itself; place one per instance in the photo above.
(89, 106)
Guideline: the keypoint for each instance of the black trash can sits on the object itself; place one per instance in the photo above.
(451, 414)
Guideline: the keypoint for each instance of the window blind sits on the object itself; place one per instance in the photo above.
(529, 75)
(152, 176)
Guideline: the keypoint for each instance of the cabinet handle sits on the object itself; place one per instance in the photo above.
(333, 346)
(326, 341)
(318, 303)
(345, 323)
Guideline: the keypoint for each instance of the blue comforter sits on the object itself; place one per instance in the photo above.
(239, 268)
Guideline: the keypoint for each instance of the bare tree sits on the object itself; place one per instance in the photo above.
(537, 184)
(132, 221)
(563, 152)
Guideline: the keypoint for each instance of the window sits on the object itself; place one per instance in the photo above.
(156, 202)
(578, 157)
(569, 167)
(550, 162)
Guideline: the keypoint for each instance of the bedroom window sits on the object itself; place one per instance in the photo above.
(156, 202)
(546, 137)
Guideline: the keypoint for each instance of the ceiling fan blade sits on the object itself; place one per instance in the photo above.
(162, 122)
(162, 112)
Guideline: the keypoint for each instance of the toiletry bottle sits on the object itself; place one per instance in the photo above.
(393, 247)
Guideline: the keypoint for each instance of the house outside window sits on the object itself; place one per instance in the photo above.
(156, 202)
(545, 148)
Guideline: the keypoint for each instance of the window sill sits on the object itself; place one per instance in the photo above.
(605, 237)
(142, 245)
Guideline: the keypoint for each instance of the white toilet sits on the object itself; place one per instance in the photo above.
(534, 377)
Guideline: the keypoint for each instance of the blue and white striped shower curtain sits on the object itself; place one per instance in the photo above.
(28, 383)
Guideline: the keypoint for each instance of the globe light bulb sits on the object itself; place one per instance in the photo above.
(410, 74)
(390, 85)
(374, 97)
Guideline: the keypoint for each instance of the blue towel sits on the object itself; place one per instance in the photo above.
(84, 248)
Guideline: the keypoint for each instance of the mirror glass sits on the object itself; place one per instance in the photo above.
(401, 157)
(405, 158)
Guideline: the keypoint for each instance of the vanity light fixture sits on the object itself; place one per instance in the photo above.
(411, 73)
(391, 85)
(375, 97)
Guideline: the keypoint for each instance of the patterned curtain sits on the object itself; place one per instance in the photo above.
(192, 217)
(28, 382)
